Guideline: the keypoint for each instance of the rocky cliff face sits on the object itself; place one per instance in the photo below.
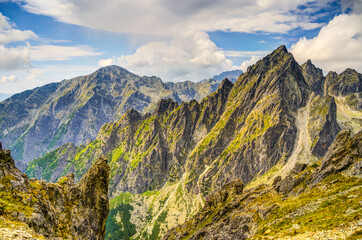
(163, 165)
(37, 121)
(315, 202)
(65, 209)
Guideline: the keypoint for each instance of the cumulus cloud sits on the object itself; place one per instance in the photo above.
(8, 34)
(14, 58)
(14, 35)
(251, 56)
(106, 62)
(61, 53)
(188, 56)
(337, 46)
(244, 66)
(11, 78)
(168, 17)
(21, 56)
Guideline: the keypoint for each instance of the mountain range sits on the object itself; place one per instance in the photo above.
(276, 115)
(274, 154)
(72, 111)
(230, 75)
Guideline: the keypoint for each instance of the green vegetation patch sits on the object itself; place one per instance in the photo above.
(118, 224)
(46, 164)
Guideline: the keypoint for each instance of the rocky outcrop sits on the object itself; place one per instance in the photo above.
(345, 153)
(55, 210)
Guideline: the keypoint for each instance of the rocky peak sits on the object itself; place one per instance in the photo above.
(348, 82)
(277, 72)
(281, 49)
(113, 69)
(313, 76)
(225, 85)
(350, 71)
(165, 105)
(132, 116)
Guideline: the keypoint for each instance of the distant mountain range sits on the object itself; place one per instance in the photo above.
(277, 120)
(36, 121)
(231, 75)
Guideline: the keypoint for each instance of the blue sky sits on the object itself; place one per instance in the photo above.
(45, 41)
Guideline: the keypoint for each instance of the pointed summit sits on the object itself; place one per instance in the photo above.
(164, 105)
(281, 48)
(226, 84)
(114, 70)
(313, 76)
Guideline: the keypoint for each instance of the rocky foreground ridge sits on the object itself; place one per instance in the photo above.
(321, 201)
(163, 164)
(33, 209)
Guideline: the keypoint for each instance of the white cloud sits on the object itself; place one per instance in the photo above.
(60, 53)
(244, 66)
(168, 17)
(14, 58)
(11, 78)
(106, 62)
(337, 46)
(188, 56)
(20, 57)
(8, 34)
(14, 35)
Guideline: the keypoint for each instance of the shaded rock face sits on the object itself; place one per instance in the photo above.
(37, 121)
(322, 125)
(267, 211)
(314, 77)
(63, 209)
